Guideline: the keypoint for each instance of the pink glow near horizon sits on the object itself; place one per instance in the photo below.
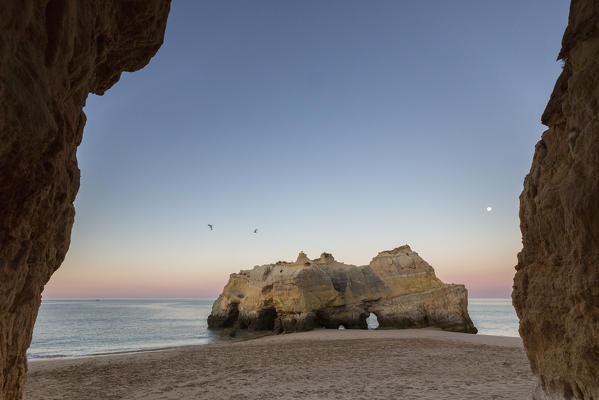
(481, 277)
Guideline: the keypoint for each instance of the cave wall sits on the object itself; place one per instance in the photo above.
(52, 54)
(556, 287)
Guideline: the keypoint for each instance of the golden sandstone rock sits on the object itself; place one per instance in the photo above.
(556, 287)
(398, 286)
(52, 54)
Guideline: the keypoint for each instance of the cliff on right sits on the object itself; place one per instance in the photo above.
(556, 287)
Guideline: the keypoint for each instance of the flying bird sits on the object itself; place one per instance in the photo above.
(256, 230)
(210, 226)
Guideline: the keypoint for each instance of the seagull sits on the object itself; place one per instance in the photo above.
(210, 226)
(256, 230)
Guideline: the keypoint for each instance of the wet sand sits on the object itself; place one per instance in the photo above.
(320, 364)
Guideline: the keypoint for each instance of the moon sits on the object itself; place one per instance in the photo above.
(489, 209)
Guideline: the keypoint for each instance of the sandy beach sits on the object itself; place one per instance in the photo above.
(320, 364)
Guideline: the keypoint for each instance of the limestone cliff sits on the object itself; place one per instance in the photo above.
(398, 286)
(556, 287)
(52, 54)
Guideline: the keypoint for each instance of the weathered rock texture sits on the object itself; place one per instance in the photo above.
(52, 54)
(398, 286)
(556, 287)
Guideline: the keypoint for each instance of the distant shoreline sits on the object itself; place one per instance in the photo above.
(114, 326)
(220, 340)
(327, 334)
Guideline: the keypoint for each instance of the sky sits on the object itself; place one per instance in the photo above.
(348, 127)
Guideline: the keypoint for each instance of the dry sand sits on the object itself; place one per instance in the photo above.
(321, 364)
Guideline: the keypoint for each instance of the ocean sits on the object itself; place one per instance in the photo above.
(74, 328)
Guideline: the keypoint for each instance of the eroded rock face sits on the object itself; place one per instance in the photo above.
(398, 286)
(556, 287)
(52, 54)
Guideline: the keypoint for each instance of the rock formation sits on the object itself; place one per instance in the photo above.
(52, 54)
(398, 286)
(556, 287)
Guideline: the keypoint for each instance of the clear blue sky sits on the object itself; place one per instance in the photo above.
(342, 126)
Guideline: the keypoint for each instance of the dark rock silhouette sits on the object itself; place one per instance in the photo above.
(52, 54)
(556, 287)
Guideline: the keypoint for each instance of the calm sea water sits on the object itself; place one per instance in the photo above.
(494, 316)
(71, 328)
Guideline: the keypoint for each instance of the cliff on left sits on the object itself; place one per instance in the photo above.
(53, 53)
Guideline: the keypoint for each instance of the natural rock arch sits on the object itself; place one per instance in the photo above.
(398, 286)
(53, 53)
(375, 321)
